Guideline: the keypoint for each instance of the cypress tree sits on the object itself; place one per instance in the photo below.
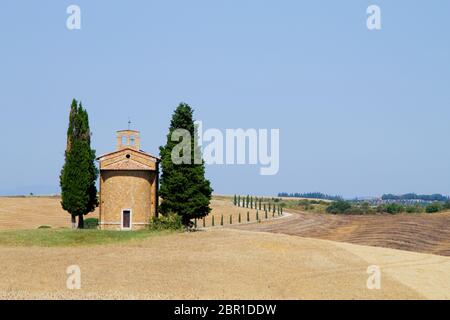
(79, 173)
(239, 201)
(184, 188)
(235, 200)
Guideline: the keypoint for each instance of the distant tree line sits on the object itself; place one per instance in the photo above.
(347, 207)
(310, 195)
(413, 196)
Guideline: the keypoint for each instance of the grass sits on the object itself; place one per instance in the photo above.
(70, 238)
(311, 205)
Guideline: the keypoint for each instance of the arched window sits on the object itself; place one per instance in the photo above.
(132, 140)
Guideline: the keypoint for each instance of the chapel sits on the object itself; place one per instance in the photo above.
(128, 185)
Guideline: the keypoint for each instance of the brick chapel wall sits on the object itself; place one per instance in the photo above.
(126, 190)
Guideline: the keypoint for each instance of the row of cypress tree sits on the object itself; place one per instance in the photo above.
(184, 189)
(254, 202)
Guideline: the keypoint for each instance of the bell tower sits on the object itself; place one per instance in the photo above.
(128, 139)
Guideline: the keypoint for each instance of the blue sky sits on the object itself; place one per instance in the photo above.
(360, 112)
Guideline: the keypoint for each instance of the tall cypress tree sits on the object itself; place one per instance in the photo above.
(79, 173)
(184, 188)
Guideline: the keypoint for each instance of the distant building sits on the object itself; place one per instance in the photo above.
(128, 185)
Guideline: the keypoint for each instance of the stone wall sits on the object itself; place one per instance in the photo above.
(127, 190)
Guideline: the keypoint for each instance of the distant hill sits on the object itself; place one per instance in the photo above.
(413, 196)
(27, 190)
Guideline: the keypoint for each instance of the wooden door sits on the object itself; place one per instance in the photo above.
(126, 219)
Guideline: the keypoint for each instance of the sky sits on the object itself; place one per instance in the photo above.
(360, 112)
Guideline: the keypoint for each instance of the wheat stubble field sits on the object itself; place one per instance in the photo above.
(426, 233)
(220, 263)
(32, 212)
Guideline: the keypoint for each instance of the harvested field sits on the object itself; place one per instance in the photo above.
(232, 264)
(427, 233)
(32, 212)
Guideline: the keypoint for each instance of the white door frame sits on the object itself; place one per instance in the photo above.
(131, 220)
